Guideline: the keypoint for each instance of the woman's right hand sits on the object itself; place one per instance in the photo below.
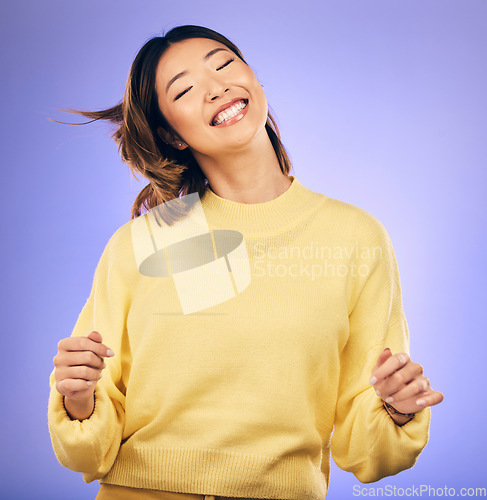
(78, 367)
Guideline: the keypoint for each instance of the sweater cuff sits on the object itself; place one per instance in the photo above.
(394, 448)
(417, 428)
(74, 441)
(403, 443)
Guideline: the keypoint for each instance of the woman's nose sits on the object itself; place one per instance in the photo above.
(217, 90)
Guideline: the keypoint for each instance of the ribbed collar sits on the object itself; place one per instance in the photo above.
(257, 219)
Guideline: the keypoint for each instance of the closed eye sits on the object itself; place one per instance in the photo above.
(189, 88)
(182, 93)
(226, 64)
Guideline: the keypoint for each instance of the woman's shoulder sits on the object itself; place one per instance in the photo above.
(119, 235)
(355, 220)
(119, 246)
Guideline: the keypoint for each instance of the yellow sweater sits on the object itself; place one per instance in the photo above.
(236, 392)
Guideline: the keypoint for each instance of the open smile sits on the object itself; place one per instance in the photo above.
(230, 113)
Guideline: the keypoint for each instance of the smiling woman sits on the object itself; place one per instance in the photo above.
(161, 134)
(221, 382)
(205, 103)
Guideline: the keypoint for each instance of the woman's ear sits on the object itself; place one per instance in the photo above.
(171, 139)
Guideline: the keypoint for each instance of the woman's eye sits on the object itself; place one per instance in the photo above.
(226, 64)
(189, 88)
(182, 93)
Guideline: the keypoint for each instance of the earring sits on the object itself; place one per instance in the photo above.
(179, 144)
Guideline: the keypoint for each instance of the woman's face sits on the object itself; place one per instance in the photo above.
(210, 97)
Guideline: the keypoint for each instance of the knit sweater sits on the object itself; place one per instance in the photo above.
(247, 389)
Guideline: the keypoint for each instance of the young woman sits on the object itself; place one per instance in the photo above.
(235, 333)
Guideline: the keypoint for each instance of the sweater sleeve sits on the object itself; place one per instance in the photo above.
(366, 441)
(90, 446)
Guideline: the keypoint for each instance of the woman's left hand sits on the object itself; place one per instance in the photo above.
(401, 383)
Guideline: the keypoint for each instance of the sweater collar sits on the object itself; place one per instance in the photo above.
(254, 219)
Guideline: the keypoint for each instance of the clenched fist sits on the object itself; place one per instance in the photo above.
(78, 367)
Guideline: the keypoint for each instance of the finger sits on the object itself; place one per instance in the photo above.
(414, 389)
(95, 336)
(71, 387)
(391, 365)
(85, 344)
(78, 358)
(383, 356)
(79, 372)
(398, 380)
(430, 398)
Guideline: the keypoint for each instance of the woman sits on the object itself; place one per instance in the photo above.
(226, 370)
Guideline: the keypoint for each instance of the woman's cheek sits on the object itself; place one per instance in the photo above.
(182, 121)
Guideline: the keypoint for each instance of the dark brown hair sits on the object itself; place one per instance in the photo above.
(171, 173)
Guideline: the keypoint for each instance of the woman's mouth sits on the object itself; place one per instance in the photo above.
(231, 115)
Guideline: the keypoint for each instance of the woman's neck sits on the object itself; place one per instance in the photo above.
(251, 175)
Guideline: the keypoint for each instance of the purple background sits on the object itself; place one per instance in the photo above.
(381, 104)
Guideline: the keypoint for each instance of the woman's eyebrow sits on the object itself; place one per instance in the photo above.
(179, 75)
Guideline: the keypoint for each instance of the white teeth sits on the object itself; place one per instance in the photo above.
(229, 113)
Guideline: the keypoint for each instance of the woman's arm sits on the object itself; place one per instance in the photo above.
(79, 410)
(366, 440)
(90, 441)
(399, 418)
